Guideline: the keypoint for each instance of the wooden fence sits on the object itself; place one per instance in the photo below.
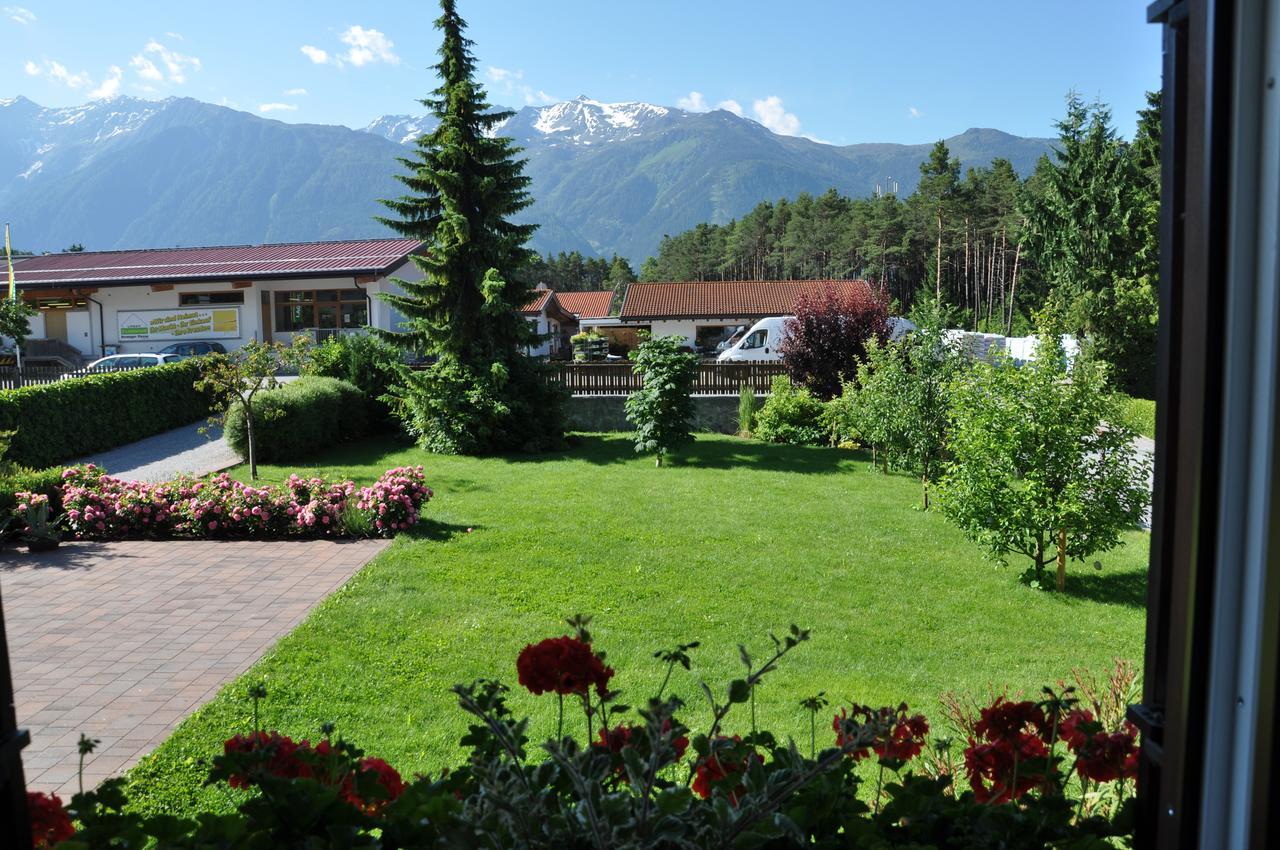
(44, 374)
(620, 379)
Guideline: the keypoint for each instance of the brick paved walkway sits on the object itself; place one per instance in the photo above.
(121, 641)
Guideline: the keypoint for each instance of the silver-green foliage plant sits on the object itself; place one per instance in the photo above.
(662, 409)
(1040, 465)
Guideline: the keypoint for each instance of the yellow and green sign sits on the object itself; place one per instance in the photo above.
(187, 323)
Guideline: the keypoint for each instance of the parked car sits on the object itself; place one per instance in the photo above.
(193, 349)
(124, 362)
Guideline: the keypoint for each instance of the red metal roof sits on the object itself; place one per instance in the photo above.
(235, 262)
(734, 299)
(586, 305)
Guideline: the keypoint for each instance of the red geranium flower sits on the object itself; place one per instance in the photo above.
(50, 823)
(622, 737)
(384, 775)
(1100, 755)
(1006, 769)
(1007, 721)
(725, 761)
(899, 736)
(563, 665)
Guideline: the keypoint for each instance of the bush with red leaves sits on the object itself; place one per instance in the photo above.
(827, 339)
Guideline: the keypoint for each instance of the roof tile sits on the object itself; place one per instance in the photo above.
(739, 299)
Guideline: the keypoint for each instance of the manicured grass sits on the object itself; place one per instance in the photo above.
(730, 540)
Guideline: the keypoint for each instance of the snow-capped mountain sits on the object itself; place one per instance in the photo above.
(581, 121)
(606, 177)
(67, 137)
(401, 129)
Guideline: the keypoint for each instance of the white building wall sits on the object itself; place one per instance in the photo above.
(686, 328)
(117, 300)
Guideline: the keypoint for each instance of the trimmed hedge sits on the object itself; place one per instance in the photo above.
(45, 481)
(300, 418)
(79, 416)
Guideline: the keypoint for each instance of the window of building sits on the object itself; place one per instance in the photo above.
(195, 299)
(327, 309)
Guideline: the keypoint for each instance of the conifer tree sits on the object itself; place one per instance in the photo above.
(482, 393)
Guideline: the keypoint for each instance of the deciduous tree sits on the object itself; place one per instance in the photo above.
(1040, 465)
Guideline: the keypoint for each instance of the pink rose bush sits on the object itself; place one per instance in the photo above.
(393, 502)
(100, 506)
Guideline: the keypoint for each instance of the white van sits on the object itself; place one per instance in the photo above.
(758, 345)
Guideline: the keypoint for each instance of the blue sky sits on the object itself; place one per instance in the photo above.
(855, 71)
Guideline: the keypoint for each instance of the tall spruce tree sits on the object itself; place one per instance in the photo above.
(482, 393)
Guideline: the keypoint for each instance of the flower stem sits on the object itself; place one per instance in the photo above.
(879, 787)
(560, 720)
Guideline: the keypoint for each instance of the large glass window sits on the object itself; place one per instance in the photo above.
(196, 298)
(328, 309)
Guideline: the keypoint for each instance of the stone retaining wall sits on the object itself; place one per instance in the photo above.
(718, 413)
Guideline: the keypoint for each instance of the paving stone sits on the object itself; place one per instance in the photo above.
(123, 640)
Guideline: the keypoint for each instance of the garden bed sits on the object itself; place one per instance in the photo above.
(730, 539)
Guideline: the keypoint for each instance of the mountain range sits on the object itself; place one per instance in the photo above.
(606, 177)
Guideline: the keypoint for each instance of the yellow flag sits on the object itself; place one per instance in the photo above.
(8, 258)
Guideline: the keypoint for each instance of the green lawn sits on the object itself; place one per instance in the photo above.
(730, 540)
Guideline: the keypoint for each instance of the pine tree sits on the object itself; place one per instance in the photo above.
(464, 185)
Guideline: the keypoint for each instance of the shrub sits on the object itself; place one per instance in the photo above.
(300, 418)
(840, 418)
(791, 415)
(828, 337)
(79, 416)
(747, 405)
(662, 409)
(1137, 414)
(103, 507)
(1034, 774)
(452, 408)
(46, 482)
(393, 502)
(365, 362)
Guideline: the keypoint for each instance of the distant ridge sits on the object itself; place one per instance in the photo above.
(607, 177)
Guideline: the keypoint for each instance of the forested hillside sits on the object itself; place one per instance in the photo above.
(1081, 229)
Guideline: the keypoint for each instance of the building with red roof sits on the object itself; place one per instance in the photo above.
(96, 302)
(706, 313)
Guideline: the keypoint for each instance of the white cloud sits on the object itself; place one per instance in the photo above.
(277, 107)
(58, 73)
(693, 102)
(176, 64)
(364, 47)
(111, 85)
(176, 36)
(512, 83)
(20, 15)
(915, 113)
(368, 46)
(295, 92)
(315, 54)
(771, 113)
(732, 106)
(145, 68)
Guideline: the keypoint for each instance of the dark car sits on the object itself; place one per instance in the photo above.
(193, 349)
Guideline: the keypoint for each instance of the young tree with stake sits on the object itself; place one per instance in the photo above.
(1040, 465)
